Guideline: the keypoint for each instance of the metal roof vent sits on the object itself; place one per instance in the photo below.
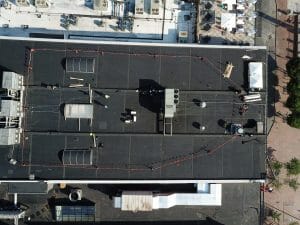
(203, 105)
(75, 195)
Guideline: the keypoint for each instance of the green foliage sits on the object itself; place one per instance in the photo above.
(275, 216)
(293, 183)
(293, 67)
(294, 120)
(293, 166)
(276, 166)
(294, 223)
(293, 87)
(276, 184)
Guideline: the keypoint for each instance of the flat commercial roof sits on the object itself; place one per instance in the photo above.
(240, 205)
(138, 150)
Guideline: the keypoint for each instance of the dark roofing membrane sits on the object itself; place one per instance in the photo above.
(139, 150)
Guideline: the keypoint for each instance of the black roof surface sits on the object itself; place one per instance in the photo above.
(139, 150)
(241, 205)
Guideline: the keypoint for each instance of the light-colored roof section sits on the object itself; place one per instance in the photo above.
(137, 201)
(294, 6)
(228, 20)
(160, 21)
(10, 108)
(11, 80)
(256, 75)
(170, 107)
(79, 111)
(207, 195)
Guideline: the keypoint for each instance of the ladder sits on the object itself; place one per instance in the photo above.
(168, 127)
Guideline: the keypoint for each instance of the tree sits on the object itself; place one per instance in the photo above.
(293, 102)
(293, 183)
(294, 119)
(276, 216)
(276, 166)
(293, 67)
(293, 166)
(276, 184)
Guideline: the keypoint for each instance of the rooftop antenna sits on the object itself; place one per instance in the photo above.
(91, 101)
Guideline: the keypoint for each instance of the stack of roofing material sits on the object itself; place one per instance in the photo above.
(78, 111)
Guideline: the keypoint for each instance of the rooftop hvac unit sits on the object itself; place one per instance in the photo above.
(11, 80)
(260, 127)
(139, 7)
(23, 2)
(101, 5)
(154, 8)
(171, 100)
(255, 74)
(182, 36)
(41, 3)
(10, 108)
(9, 136)
(75, 213)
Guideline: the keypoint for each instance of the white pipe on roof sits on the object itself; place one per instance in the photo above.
(213, 197)
(207, 195)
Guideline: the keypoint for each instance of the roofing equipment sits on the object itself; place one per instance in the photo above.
(228, 21)
(171, 100)
(154, 8)
(11, 80)
(10, 108)
(79, 111)
(80, 65)
(77, 157)
(101, 5)
(75, 213)
(139, 7)
(9, 136)
(207, 195)
(255, 75)
(228, 70)
(252, 98)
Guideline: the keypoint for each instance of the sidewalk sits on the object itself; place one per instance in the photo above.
(284, 139)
